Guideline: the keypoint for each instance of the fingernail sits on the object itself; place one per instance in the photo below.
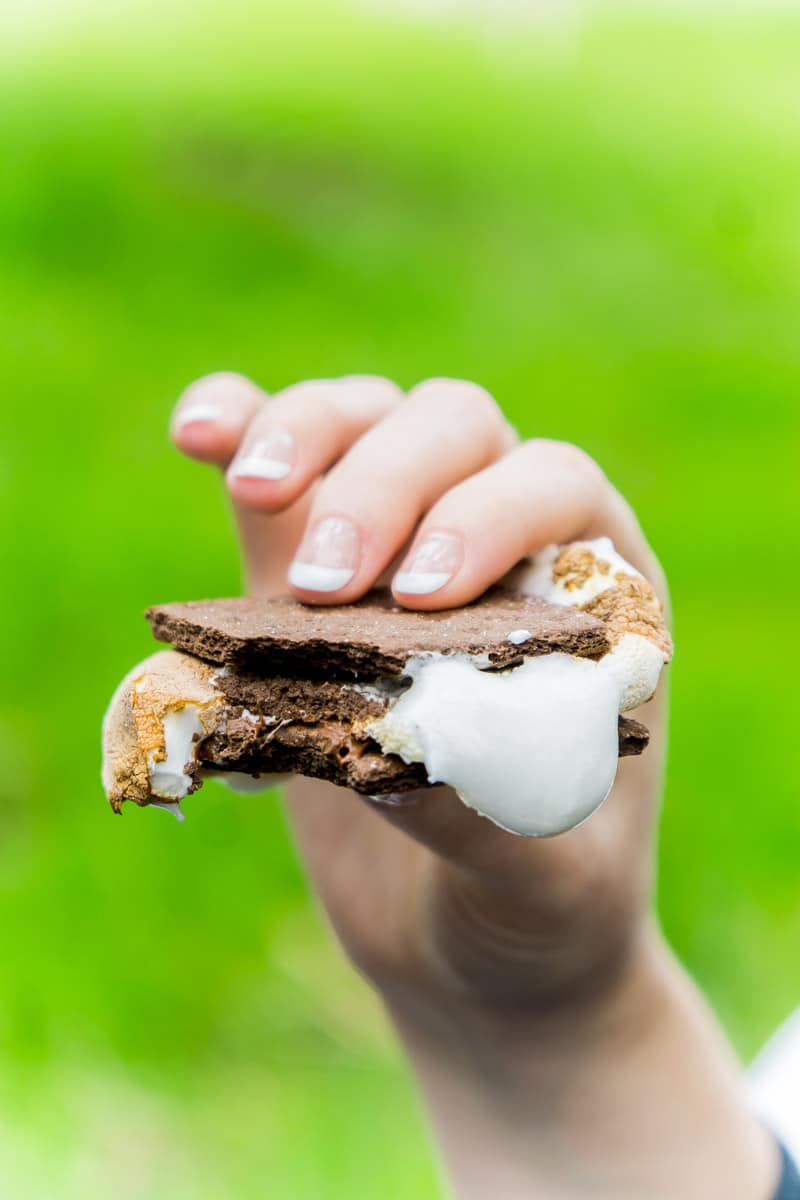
(269, 457)
(328, 556)
(198, 412)
(431, 565)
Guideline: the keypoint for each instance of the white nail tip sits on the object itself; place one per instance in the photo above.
(420, 583)
(319, 579)
(260, 468)
(197, 412)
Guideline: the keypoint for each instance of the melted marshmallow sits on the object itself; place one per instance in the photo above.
(168, 778)
(170, 806)
(518, 637)
(534, 748)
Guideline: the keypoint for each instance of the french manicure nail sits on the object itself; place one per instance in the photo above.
(431, 565)
(198, 412)
(328, 556)
(271, 456)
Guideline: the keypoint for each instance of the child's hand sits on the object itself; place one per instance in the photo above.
(332, 481)
(562, 1052)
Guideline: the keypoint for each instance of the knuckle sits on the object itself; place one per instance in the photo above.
(468, 408)
(460, 399)
(346, 398)
(568, 457)
(366, 399)
(373, 387)
(309, 394)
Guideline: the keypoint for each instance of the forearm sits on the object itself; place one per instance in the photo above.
(639, 1100)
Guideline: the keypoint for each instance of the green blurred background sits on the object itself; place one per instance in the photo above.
(606, 234)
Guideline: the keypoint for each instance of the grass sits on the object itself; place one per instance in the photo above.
(607, 240)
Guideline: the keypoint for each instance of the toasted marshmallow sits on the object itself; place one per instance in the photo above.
(157, 717)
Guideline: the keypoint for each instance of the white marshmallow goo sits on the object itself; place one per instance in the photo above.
(167, 770)
(534, 748)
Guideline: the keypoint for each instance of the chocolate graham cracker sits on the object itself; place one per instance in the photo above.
(373, 638)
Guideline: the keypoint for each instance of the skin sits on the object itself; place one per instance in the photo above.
(560, 1049)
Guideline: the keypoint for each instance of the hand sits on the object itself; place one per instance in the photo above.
(332, 482)
(562, 1052)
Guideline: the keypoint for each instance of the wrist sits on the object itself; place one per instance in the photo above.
(542, 1029)
(522, 966)
(634, 1094)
